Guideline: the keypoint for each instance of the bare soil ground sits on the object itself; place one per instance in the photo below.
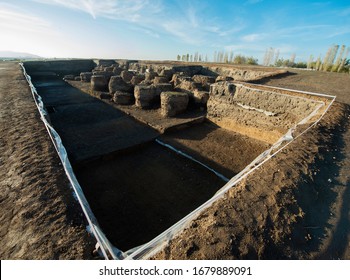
(315, 81)
(39, 217)
(294, 207)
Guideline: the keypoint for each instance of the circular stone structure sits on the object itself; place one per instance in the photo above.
(99, 82)
(123, 98)
(173, 103)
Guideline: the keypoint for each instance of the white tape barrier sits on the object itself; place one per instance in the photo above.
(222, 177)
(106, 248)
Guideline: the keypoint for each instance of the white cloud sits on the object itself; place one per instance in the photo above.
(184, 20)
(25, 32)
(254, 37)
(339, 32)
(149, 32)
(12, 18)
(114, 9)
(223, 32)
(180, 30)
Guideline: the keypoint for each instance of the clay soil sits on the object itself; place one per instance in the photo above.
(294, 207)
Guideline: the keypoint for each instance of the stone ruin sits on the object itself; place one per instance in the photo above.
(142, 84)
(172, 89)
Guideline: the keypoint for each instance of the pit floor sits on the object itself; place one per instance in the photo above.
(138, 195)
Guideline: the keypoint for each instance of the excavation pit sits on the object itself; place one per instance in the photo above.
(138, 181)
(138, 195)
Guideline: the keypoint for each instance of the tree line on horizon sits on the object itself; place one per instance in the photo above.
(219, 57)
(335, 60)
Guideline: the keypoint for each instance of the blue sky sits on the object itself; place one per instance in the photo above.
(161, 29)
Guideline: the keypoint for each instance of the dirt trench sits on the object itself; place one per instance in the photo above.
(136, 187)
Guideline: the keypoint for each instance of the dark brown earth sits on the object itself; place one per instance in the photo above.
(39, 217)
(294, 206)
(138, 195)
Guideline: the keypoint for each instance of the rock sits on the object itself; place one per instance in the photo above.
(168, 73)
(117, 70)
(117, 83)
(223, 78)
(178, 78)
(149, 76)
(142, 69)
(222, 88)
(126, 75)
(189, 70)
(105, 95)
(99, 83)
(98, 72)
(203, 79)
(86, 76)
(124, 64)
(189, 86)
(137, 79)
(201, 98)
(68, 78)
(123, 98)
(173, 103)
(107, 75)
(105, 62)
(108, 69)
(77, 78)
(159, 88)
(145, 96)
(185, 83)
(97, 68)
(160, 80)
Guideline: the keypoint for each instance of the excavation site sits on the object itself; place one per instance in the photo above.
(171, 160)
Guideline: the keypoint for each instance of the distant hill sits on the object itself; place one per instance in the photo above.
(10, 54)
